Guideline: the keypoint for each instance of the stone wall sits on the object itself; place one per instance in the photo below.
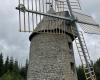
(50, 58)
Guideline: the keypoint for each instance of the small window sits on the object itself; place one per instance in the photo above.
(70, 47)
(72, 66)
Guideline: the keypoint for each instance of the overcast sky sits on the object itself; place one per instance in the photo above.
(16, 44)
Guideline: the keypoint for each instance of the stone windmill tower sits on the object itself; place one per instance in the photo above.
(53, 30)
(52, 57)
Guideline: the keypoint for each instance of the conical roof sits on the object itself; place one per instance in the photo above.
(54, 25)
(50, 23)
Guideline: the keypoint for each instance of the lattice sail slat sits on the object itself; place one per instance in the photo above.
(87, 23)
(29, 21)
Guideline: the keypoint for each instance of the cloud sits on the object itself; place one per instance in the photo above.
(12, 43)
(93, 44)
(91, 7)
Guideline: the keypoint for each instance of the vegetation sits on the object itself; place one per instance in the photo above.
(96, 65)
(9, 70)
(80, 73)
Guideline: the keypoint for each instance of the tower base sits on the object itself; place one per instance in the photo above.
(51, 58)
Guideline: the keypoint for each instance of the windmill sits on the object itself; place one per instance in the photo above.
(53, 24)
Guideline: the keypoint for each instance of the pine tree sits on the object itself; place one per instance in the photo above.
(23, 70)
(6, 64)
(97, 69)
(11, 64)
(16, 67)
(1, 65)
(26, 68)
(80, 73)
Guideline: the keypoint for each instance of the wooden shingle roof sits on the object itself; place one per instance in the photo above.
(50, 23)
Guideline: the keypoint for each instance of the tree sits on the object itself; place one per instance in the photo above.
(80, 73)
(16, 67)
(26, 66)
(23, 70)
(97, 69)
(6, 64)
(1, 65)
(11, 64)
(11, 76)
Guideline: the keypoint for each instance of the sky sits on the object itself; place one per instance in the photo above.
(16, 44)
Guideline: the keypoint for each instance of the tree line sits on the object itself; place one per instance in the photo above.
(10, 70)
(96, 65)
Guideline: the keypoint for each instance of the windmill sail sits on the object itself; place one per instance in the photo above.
(31, 12)
(87, 23)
